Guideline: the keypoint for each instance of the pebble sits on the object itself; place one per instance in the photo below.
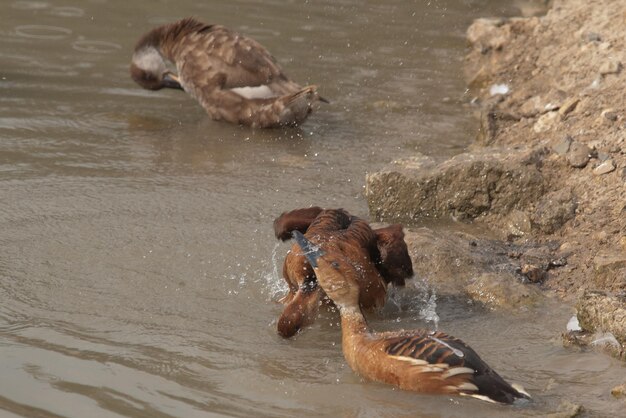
(619, 391)
(563, 145)
(609, 114)
(610, 67)
(592, 37)
(498, 89)
(545, 122)
(604, 168)
(578, 155)
(602, 156)
(519, 224)
(534, 274)
(573, 324)
(568, 106)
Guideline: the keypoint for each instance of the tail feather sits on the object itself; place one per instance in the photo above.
(298, 106)
(520, 389)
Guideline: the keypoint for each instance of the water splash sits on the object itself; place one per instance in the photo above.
(274, 284)
(416, 296)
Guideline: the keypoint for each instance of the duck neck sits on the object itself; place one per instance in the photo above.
(352, 321)
(353, 330)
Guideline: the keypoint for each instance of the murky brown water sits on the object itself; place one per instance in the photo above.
(138, 271)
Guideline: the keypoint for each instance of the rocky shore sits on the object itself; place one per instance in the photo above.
(545, 179)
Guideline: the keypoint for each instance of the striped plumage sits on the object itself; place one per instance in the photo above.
(381, 254)
(419, 360)
(232, 76)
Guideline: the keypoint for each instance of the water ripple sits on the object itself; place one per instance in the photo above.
(42, 32)
(96, 47)
(30, 5)
(67, 11)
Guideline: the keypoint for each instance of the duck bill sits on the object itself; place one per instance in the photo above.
(311, 251)
(171, 80)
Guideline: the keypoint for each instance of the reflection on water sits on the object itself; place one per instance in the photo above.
(138, 271)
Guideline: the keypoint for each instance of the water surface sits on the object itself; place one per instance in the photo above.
(138, 271)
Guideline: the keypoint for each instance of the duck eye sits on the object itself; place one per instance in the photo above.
(335, 265)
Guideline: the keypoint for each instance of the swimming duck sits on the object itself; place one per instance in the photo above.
(232, 76)
(419, 360)
(381, 253)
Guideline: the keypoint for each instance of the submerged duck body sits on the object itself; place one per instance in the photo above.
(418, 360)
(380, 254)
(232, 76)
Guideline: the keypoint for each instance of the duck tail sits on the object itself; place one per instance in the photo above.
(299, 105)
(520, 389)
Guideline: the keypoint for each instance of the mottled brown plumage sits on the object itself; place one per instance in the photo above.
(381, 254)
(420, 360)
(232, 76)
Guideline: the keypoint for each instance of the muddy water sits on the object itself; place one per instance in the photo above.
(138, 271)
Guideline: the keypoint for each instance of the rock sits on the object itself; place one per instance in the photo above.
(488, 128)
(619, 391)
(545, 122)
(623, 175)
(578, 155)
(568, 106)
(609, 114)
(488, 34)
(416, 162)
(602, 156)
(462, 265)
(502, 290)
(610, 271)
(600, 312)
(604, 168)
(592, 37)
(534, 274)
(573, 324)
(483, 28)
(602, 342)
(553, 210)
(563, 145)
(531, 107)
(464, 187)
(610, 67)
(498, 89)
(518, 224)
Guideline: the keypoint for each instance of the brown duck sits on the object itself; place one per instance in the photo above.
(419, 360)
(232, 76)
(380, 254)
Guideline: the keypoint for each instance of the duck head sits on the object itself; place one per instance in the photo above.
(335, 273)
(301, 310)
(149, 70)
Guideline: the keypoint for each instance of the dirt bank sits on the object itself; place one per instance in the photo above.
(547, 172)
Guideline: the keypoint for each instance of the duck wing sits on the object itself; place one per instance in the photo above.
(394, 262)
(213, 56)
(450, 365)
(327, 223)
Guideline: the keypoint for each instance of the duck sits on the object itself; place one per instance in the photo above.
(233, 77)
(420, 360)
(381, 253)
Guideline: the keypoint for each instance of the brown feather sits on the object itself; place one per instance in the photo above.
(340, 232)
(212, 60)
(420, 360)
